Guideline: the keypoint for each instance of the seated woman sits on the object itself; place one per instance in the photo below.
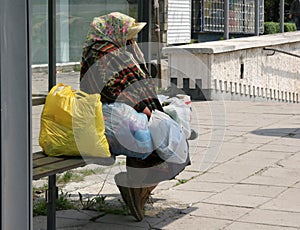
(113, 65)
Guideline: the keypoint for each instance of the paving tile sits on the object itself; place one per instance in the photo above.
(276, 176)
(266, 158)
(297, 185)
(217, 211)
(251, 226)
(293, 162)
(288, 141)
(182, 197)
(270, 217)
(289, 200)
(230, 149)
(267, 191)
(219, 177)
(39, 223)
(76, 214)
(240, 200)
(121, 220)
(190, 222)
(196, 185)
(243, 128)
(215, 134)
(274, 147)
(204, 143)
(244, 195)
(164, 185)
(110, 226)
(186, 175)
(66, 219)
(252, 139)
(197, 163)
(231, 172)
(94, 189)
(196, 150)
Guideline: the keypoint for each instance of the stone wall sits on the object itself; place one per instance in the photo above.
(239, 69)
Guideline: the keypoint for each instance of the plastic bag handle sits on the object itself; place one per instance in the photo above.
(79, 93)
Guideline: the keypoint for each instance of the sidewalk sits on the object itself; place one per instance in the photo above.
(245, 174)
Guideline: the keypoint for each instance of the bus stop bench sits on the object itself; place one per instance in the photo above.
(46, 166)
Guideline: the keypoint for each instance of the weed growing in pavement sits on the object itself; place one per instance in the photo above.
(88, 172)
(62, 203)
(68, 177)
(99, 204)
(181, 181)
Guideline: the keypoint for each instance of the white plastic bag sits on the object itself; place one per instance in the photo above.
(168, 138)
(181, 112)
(127, 130)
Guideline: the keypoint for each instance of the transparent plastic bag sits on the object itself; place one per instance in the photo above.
(180, 111)
(127, 130)
(72, 124)
(168, 138)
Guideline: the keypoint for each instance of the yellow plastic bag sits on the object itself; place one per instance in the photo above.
(72, 124)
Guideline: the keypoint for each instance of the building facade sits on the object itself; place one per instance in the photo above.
(208, 18)
(180, 22)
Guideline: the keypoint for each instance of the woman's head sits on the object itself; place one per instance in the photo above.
(114, 27)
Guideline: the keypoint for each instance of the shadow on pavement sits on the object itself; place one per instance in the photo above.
(158, 214)
(279, 132)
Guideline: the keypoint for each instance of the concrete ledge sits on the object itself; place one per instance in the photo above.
(236, 44)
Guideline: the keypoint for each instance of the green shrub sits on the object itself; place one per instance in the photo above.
(290, 26)
(271, 27)
(274, 27)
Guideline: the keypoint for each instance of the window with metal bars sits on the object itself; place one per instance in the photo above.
(208, 16)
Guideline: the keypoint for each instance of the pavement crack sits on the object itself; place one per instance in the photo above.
(259, 172)
(280, 165)
(153, 228)
(94, 218)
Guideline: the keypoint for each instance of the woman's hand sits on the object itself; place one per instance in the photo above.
(147, 111)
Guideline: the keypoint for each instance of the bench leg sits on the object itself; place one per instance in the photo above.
(51, 203)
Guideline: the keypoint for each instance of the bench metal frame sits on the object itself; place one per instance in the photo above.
(44, 166)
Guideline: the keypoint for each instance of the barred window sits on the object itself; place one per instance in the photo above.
(208, 16)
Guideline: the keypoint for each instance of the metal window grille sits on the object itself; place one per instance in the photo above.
(208, 16)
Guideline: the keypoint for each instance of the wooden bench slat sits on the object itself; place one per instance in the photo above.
(38, 99)
(46, 161)
(44, 165)
(57, 167)
(38, 155)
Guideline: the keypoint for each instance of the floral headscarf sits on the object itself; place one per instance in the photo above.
(111, 63)
(112, 27)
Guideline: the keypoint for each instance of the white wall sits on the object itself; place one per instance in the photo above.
(240, 69)
(179, 21)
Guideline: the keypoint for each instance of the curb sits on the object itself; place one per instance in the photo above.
(61, 67)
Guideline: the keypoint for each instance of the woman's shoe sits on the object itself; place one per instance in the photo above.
(134, 198)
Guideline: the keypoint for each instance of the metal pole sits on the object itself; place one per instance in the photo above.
(15, 116)
(51, 203)
(157, 30)
(52, 43)
(256, 27)
(282, 16)
(226, 19)
(144, 37)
